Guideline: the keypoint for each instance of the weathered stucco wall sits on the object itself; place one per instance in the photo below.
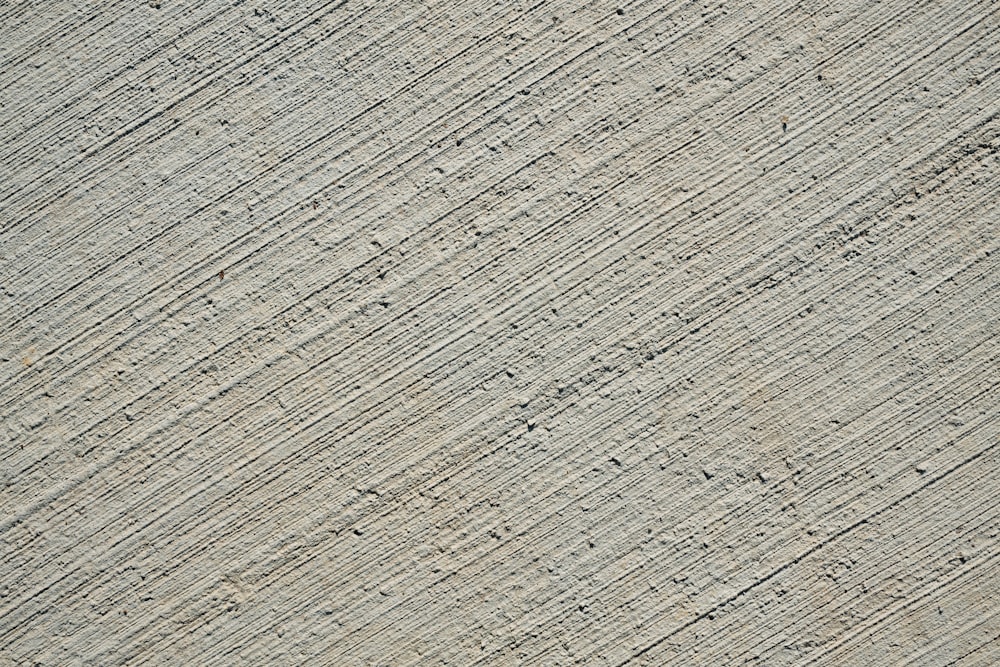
(494, 333)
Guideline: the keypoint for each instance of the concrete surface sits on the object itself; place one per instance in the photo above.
(499, 333)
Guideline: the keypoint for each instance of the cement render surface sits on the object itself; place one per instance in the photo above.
(499, 333)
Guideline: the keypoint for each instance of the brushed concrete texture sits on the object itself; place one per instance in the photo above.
(499, 333)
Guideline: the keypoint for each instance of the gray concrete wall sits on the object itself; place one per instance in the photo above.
(499, 333)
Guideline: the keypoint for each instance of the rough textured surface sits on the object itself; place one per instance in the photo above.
(489, 333)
